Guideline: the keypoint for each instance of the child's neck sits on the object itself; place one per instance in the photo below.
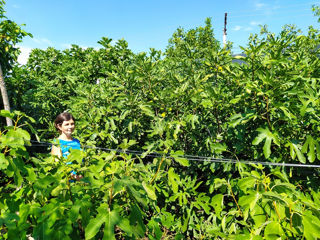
(65, 137)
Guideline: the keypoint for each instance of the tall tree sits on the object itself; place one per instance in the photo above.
(10, 34)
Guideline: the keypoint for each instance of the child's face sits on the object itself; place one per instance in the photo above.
(67, 127)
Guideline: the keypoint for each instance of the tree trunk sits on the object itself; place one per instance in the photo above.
(5, 96)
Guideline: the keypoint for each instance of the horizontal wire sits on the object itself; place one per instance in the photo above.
(193, 157)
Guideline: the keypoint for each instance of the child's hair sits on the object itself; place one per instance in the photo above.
(65, 116)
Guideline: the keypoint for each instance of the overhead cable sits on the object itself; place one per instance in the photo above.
(190, 157)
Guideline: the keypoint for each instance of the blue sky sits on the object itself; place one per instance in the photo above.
(149, 23)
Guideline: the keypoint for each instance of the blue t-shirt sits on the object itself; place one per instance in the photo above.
(66, 145)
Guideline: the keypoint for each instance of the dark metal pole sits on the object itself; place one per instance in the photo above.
(225, 30)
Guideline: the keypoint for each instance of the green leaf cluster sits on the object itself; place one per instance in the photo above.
(192, 99)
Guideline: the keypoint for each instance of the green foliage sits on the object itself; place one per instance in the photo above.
(10, 34)
(190, 100)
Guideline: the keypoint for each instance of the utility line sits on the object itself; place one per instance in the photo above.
(189, 157)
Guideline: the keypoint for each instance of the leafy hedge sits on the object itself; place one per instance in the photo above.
(192, 99)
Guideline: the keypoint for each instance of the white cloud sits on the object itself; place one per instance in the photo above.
(24, 55)
(66, 45)
(15, 6)
(236, 28)
(248, 29)
(254, 23)
(242, 28)
(259, 5)
(266, 9)
(42, 41)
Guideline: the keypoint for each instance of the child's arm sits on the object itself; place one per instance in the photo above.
(56, 151)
